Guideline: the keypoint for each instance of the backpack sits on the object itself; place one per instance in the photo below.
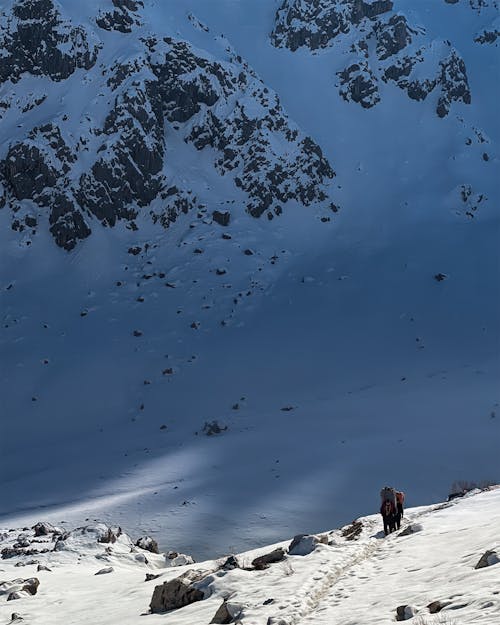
(388, 494)
(400, 496)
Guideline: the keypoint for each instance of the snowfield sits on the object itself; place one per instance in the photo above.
(341, 581)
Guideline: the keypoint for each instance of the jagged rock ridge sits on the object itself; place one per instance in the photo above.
(386, 48)
(116, 166)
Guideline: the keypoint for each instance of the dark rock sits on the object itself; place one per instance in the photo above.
(302, 545)
(37, 40)
(151, 576)
(452, 496)
(122, 18)
(263, 562)
(31, 585)
(439, 277)
(405, 612)
(223, 616)
(393, 36)
(230, 564)
(213, 427)
(489, 558)
(177, 592)
(359, 84)
(15, 595)
(435, 606)
(148, 544)
(110, 535)
(353, 531)
(137, 333)
(42, 567)
(222, 218)
(105, 570)
(315, 24)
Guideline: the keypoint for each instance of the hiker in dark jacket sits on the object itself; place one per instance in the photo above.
(389, 515)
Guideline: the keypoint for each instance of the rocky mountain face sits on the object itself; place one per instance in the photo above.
(110, 164)
(380, 46)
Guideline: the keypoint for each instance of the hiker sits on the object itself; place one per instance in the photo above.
(392, 514)
(389, 515)
(400, 499)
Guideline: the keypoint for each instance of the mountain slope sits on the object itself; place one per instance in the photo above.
(340, 348)
(348, 577)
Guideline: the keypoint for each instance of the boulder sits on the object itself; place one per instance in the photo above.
(213, 427)
(104, 571)
(230, 564)
(489, 558)
(111, 535)
(352, 531)
(31, 585)
(43, 529)
(181, 560)
(436, 606)
(148, 544)
(177, 593)
(222, 218)
(151, 576)
(263, 562)
(303, 544)
(411, 529)
(223, 615)
(405, 612)
(17, 594)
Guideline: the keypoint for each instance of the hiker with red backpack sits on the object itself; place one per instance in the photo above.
(391, 508)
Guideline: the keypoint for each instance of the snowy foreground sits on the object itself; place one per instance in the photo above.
(357, 581)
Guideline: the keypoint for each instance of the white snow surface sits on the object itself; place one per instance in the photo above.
(350, 365)
(342, 582)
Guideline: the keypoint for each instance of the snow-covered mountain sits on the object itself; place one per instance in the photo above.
(249, 261)
(442, 567)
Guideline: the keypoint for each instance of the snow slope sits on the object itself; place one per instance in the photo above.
(346, 582)
(328, 347)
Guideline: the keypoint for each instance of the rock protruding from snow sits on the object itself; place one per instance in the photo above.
(263, 562)
(303, 544)
(177, 593)
(384, 48)
(316, 23)
(36, 39)
(405, 612)
(105, 570)
(181, 560)
(411, 529)
(227, 613)
(148, 544)
(26, 587)
(43, 529)
(123, 17)
(114, 166)
(489, 558)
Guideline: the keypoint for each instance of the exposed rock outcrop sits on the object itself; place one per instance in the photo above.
(38, 40)
(177, 593)
(385, 47)
(262, 562)
(114, 166)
